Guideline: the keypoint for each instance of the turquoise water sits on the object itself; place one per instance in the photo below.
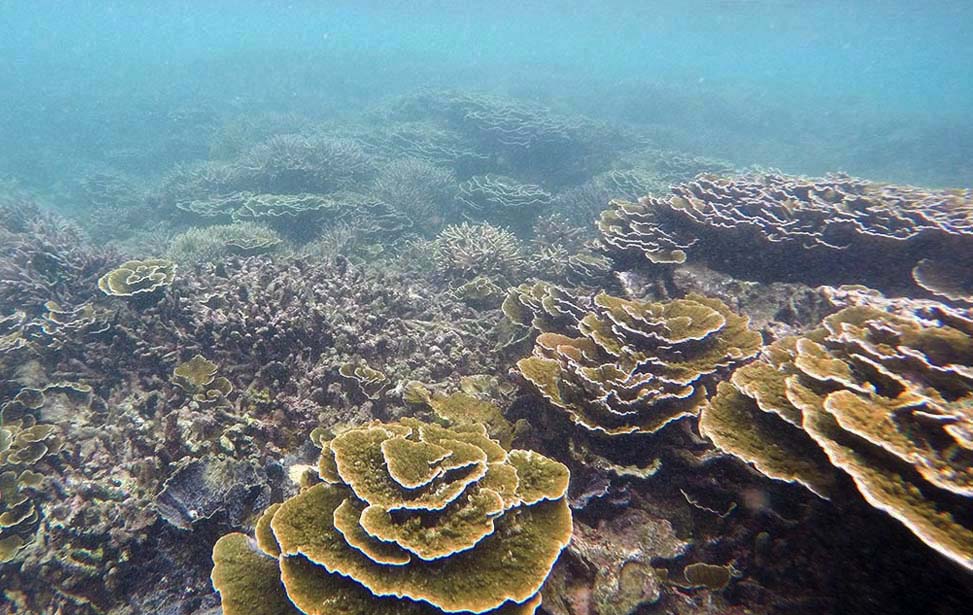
(708, 262)
(880, 89)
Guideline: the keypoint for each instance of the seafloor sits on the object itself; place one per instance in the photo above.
(761, 383)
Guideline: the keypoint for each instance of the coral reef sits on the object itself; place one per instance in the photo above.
(411, 518)
(419, 189)
(638, 365)
(610, 569)
(503, 199)
(294, 163)
(44, 258)
(212, 244)
(466, 251)
(773, 227)
(138, 277)
(881, 391)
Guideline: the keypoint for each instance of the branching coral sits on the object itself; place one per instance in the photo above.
(214, 243)
(465, 251)
(44, 258)
(778, 227)
(879, 391)
(412, 518)
(421, 190)
(638, 365)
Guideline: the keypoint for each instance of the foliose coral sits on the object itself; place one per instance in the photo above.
(833, 229)
(502, 198)
(138, 277)
(879, 391)
(198, 378)
(28, 436)
(411, 518)
(295, 163)
(638, 365)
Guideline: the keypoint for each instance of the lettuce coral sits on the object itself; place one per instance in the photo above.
(880, 391)
(638, 365)
(412, 518)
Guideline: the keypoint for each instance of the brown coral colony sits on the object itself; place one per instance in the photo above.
(410, 517)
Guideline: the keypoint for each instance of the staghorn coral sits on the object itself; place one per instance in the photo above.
(421, 190)
(138, 277)
(411, 518)
(466, 251)
(879, 391)
(638, 365)
(45, 258)
(215, 243)
(774, 227)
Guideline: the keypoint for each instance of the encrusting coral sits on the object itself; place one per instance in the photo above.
(883, 391)
(412, 518)
(138, 277)
(638, 365)
(836, 229)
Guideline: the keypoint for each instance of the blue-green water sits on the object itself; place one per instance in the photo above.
(684, 287)
(879, 89)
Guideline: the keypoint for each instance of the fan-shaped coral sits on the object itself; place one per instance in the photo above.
(638, 365)
(412, 518)
(882, 393)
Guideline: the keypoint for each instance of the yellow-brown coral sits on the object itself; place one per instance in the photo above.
(197, 376)
(137, 277)
(412, 518)
(881, 393)
(638, 365)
